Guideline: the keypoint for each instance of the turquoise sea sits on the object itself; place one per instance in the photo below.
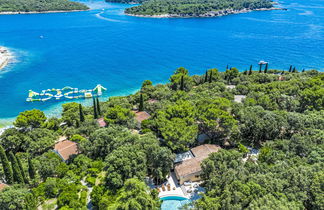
(104, 46)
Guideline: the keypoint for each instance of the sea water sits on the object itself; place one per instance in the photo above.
(104, 46)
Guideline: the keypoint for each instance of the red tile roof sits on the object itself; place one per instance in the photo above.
(101, 122)
(188, 167)
(192, 165)
(66, 148)
(140, 116)
(204, 150)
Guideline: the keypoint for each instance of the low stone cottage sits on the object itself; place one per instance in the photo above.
(189, 170)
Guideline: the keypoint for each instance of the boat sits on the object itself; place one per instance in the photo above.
(262, 62)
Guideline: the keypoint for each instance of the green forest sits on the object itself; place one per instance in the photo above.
(281, 115)
(195, 7)
(39, 5)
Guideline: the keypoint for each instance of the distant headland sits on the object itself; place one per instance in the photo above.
(208, 14)
(195, 8)
(37, 6)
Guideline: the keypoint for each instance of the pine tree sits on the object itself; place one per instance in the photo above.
(6, 166)
(31, 169)
(206, 77)
(250, 71)
(182, 83)
(21, 170)
(266, 68)
(98, 107)
(81, 113)
(95, 113)
(18, 178)
(141, 104)
(290, 68)
(211, 76)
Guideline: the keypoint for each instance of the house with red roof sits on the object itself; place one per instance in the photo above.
(66, 149)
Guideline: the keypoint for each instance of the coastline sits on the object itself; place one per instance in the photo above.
(40, 12)
(209, 14)
(5, 57)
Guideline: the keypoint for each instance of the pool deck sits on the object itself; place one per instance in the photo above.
(176, 189)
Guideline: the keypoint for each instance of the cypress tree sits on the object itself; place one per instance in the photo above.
(294, 70)
(6, 166)
(260, 70)
(282, 72)
(98, 107)
(21, 170)
(206, 77)
(31, 169)
(227, 67)
(211, 76)
(141, 104)
(266, 68)
(303, 70)
(95, 114)
(81, 113)
(15, 169)
(290, 68)
(182, 83)
(250, 71)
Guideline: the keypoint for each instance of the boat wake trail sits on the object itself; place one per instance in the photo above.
(99, 15)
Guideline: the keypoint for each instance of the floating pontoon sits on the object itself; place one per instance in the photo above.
(66, 92)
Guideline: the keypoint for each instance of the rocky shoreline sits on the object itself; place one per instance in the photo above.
(208, 14)
(5, 57)
(40, 12)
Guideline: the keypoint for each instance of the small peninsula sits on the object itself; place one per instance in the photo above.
(39, 6)
(195, 8)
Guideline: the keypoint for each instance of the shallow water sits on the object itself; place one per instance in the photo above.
(106, 47)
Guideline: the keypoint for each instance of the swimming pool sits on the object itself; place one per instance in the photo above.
(173, 202)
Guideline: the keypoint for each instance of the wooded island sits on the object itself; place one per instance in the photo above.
(39, 6)
(194, 8)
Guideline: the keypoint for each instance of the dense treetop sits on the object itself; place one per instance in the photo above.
(195, 7)
(39, 5)
(282, 115)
